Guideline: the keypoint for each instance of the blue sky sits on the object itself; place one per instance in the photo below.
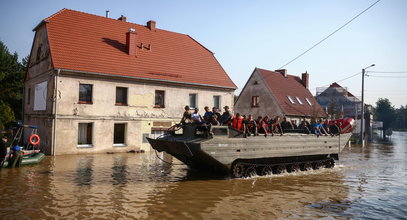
(266, 34)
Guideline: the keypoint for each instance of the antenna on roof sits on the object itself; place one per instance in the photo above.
(107, 13)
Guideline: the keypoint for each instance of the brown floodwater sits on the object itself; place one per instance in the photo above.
(366, 183)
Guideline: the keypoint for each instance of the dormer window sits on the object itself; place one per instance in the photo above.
(309, 103)
(299, 100)
(291, 100)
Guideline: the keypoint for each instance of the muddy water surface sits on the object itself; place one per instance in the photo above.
(368, 183)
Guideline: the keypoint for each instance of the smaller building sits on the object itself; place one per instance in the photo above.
(275, 93)
(338, 102)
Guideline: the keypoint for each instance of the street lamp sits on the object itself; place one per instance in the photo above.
(362, 114)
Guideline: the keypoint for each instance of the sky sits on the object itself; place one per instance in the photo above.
(265, 34)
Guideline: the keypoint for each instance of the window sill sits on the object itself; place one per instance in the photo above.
(158, 106)
(119, 145)
(85, 145)
(84, 102)
(120, 104)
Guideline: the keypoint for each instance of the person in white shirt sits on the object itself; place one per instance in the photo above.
(196, 117)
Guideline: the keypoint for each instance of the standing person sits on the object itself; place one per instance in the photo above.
(3, 150)
(215, 112)
(208, 114)
(251, 126)
(304, 128)
(294, 124)
(186, 117)
(196, 116)
(276, 126)
(318, 129)
(17, 156)
(226, 117)
(286, 125)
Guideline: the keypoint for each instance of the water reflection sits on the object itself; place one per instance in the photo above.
(84, 171)
(119, 170)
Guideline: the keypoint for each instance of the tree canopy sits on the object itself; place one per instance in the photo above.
(11, 86)
(384, 112)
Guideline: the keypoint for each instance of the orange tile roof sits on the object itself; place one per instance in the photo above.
(281, 87)
(91, 43)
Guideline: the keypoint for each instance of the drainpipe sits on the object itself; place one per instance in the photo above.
(55, 112)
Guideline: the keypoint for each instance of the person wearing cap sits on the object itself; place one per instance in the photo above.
(3, 150)
(226, 117)
(186, 117)
(17, 156)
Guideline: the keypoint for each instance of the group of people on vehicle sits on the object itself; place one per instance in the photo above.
(262, 125)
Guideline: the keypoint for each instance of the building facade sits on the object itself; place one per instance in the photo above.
(96, 84)
(276, 93)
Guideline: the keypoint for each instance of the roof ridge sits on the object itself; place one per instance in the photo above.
(114, 19)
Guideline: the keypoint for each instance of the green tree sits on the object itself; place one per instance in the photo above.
(11, 85)
(384, 112)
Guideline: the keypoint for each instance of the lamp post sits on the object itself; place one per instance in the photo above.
(362, 114)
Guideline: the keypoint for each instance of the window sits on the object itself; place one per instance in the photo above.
(85, 93)
(159, 99)
(309, 103)
(291, 100)
(29, 96)
(192, 101)
(299, 100)
(40, 96)
(121, 96)
(216, 101)
(119, 134)
(85, 132)
(255, 101)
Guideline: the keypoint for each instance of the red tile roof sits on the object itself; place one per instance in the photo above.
(292, 86)
(91, 43)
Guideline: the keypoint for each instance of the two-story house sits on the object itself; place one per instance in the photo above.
(97, 84)
(276, 93)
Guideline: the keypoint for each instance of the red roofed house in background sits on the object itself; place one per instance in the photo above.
(96, 84)
(275, 93)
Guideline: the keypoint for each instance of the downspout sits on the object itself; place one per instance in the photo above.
(55, 112)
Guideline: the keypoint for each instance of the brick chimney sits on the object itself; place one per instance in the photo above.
(122, 18)
(131, 41)
(283, 72)
(305, 79)
(151, 25)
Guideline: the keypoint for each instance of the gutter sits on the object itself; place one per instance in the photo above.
(147, 79)
(55, 113)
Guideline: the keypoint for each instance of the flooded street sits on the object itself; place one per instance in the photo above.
(368, 183)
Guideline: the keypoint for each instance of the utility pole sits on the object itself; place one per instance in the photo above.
(362, 114)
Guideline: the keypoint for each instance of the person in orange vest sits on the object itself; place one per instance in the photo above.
(237, 122)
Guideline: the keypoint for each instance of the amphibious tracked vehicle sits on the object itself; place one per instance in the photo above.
(226, 150)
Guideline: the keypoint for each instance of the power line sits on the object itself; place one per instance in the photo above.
(394, 77)
(329, 35)
(386, 71)
(340, 80)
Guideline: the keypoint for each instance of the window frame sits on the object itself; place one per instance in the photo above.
(255, 101)
(86, 145)
(309, 102)
(196, 100)
(160, 105)
(91, 94)
(219, 102)
(29, 96)
(124, 144)
(299, 100)
(291, 100)
(125, 103)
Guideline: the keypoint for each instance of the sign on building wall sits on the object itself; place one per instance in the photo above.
(40, 96)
